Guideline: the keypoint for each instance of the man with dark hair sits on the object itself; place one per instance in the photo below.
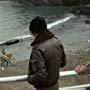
(47, 57)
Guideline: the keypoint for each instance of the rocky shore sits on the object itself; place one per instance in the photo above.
(55, 2)
(60, 2)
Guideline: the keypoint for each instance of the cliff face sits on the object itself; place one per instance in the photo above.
(60, 2)
(76, 2)
(47, 2)
(80, 5)
(56, 2)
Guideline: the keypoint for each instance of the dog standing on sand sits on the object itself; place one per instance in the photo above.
(5, 58)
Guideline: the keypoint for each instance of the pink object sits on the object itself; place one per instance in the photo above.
(80, 69)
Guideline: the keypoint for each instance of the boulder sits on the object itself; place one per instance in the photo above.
(75, 2)
(46, 2)
(56, 2)
(60, 2)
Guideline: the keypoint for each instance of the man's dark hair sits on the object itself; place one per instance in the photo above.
(37, 25)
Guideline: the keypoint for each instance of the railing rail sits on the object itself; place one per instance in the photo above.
(67, 73)
(62, 74)
(78, 87)
(24, 77)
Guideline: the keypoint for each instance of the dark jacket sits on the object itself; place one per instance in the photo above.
(47, 57)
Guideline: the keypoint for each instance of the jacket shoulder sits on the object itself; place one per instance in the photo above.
(48, 44)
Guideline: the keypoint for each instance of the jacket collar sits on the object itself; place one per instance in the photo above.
(42, 36)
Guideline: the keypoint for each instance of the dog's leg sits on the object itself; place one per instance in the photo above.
(9, 61)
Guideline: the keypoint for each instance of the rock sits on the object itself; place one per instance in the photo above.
(75, 2)
(60, 2)
(87, 21)
(80, 10)
(47, 2)
(56, 2)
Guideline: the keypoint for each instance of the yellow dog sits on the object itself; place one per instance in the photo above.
(5, 59)
(7, 56)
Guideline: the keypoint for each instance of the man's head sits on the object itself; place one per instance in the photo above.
(37, 25)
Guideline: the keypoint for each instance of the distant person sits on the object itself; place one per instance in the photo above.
(83, 69)
(3, 51)
(47, 57)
